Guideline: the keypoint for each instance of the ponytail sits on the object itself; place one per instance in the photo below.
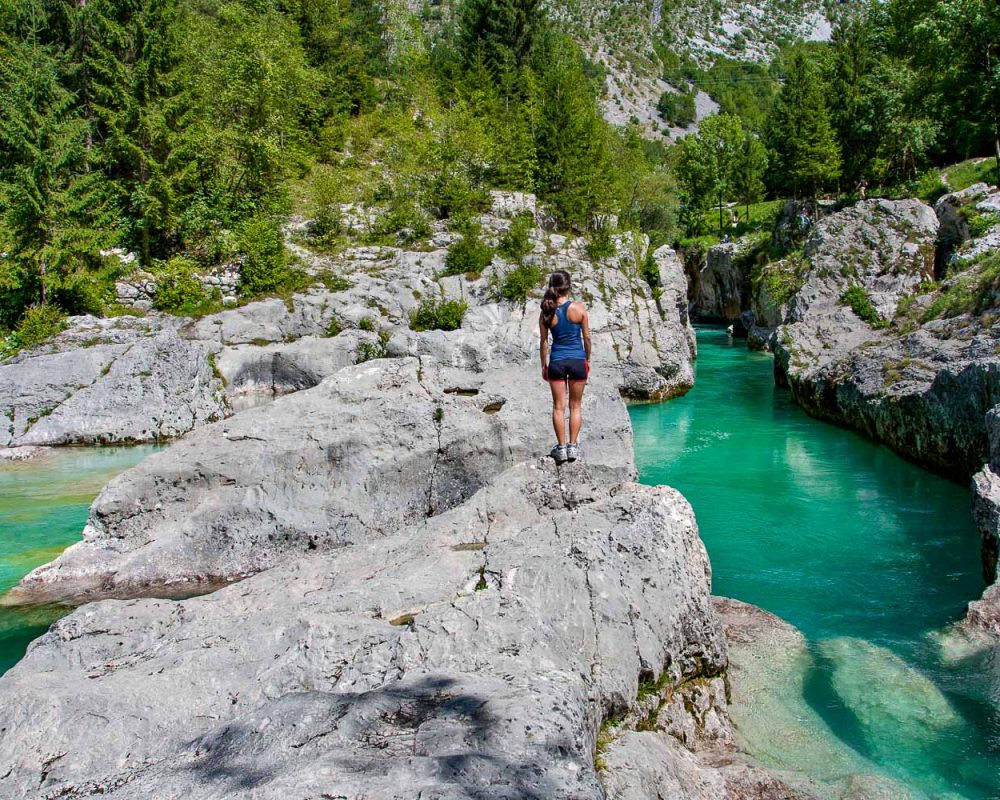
(559, 286)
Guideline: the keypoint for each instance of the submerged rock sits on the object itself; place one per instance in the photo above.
(769, 665)
(907, 706)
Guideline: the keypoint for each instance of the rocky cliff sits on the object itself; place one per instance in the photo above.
(419, 604)
(886, 323)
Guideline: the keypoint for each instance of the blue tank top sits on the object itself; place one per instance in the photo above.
(567, 337)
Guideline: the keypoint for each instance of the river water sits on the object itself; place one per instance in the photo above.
(43, 508)
(870, 557)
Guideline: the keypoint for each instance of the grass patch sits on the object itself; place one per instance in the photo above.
(975, 170)
(333, 282)
(432, 315)
(857, 298)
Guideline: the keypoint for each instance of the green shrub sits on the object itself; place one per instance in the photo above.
(441, 316)
(38, 324)
(335, 327)
(857, 298)
(980, 223)
(600, 244)
(677, 108)
(650, 272)
(468, 254)
(178, 291)
(404, 219)
(366, 324)
(930, 186)
(515, 243)
(517, 284)
(264, 268)
(367, 351)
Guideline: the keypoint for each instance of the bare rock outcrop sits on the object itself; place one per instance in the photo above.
(106, 381)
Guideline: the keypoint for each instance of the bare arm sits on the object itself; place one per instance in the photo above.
(543, 343)
(585, 322)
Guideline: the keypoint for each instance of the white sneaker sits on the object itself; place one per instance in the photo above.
(558, 453)
(572, 451)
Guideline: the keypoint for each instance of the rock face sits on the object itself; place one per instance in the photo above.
(105, 381)
(474, 654)
(921, 388)
(926, 384)
(155, 378)
(720, 288)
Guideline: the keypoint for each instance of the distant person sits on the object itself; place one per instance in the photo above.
(567, 366)
(734, 221)
(863, 188)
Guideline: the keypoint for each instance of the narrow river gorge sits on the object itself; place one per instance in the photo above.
(870, 557)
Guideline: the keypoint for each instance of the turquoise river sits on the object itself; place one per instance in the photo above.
(870, 557)
(43, 508)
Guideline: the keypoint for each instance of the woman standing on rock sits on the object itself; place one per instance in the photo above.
(567, 366)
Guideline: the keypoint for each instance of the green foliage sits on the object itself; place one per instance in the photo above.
(368, 351)
(442, 316)
(802, 136)
(650, 272)
(979, 222)
(518, 283)
(930, 186)
(178, 291)
(366, 324)
(782, 279)
(263, 267)
(857, 298)
(515, 243)
(600, 243)
(38, 324)
(972, 291)
(677, 108)
(722, 161)
(469, 255)
(976, 170)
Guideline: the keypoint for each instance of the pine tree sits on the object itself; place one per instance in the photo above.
(504, 29)
(41, 153)
(748, 171)
(802, 136)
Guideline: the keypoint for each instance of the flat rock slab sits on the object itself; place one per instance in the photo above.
(374, 448)
(473, 655)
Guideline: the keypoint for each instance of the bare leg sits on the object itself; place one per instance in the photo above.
(559, 409)
(575, 409)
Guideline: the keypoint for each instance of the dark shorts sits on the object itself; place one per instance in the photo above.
(571, 369)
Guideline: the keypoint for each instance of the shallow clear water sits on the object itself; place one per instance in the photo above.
(868, 555)
(43, 508)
